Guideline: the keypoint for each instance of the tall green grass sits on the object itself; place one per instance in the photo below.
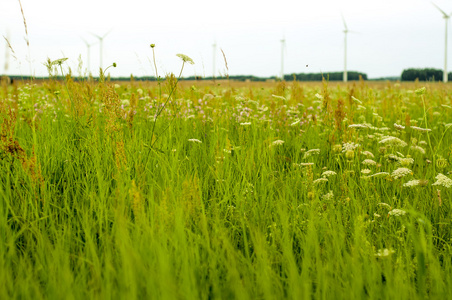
(208, 206)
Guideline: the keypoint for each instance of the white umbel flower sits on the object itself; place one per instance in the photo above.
(420, 129)
(277, 143)
(328, 173)
(411, 183)
(393, 141)
(401, 172)
(369, 162)
(397, 212)
(384, 252)
(443, 180)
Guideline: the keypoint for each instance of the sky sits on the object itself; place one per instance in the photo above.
(388, 36)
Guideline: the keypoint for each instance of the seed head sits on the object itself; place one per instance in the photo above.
(350, 155)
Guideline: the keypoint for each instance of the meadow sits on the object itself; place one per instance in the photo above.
(225, 190)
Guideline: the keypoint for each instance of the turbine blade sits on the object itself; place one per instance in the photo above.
(99, 37)
(442, 11)
(108, 33)
(345, 24)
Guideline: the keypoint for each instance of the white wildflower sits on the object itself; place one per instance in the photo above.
(443, 180)
(349, 146)
(245, 123)
(318, 96)
(385, 205)
(411, 183)
(328, 196)
(194, 141)
(418, 149)
(320, 180)
(420, 129)
(393, 141)
(369, 162)
(384, 252)
(358, 126)
(406, 161)
(311, 152)
(328, 173)
(401, 172)
(368, 153)
(185, 58)
(277, 143)
(397, 212)
(399, 127)
(366, 171)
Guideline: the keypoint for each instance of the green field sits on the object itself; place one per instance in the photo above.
(225, 190)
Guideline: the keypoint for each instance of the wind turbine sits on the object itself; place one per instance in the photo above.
(446, 18)
(283, 47)
(214, 46)
(88, 46)
(101, 42)
(345, 49)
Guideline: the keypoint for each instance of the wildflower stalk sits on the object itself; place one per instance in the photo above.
(159, 111)
(421, 92)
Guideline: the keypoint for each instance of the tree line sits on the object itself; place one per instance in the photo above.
(426, 74)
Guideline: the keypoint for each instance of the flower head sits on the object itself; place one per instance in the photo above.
(277, 143)
(443, 180)
(401, 172)
(397, 212)
(185, 58)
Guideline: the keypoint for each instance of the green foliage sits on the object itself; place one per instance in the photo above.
(427, 74)
(286, 190)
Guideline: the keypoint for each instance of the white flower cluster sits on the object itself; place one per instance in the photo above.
(328, 196)
(349, 146)
(277, 143)
(401, 172)
(418, 149)
(384, 252)
(369, 162)
(397, 212)
(411, 183)
(320, 180)
(328, 174)
(443, 180)
(399, 127)
(420, 129)
(393, 141)
(311, 152)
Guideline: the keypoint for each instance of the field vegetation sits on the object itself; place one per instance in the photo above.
(225, 190)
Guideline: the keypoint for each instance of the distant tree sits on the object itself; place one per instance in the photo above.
(331, 76)
(427, 74)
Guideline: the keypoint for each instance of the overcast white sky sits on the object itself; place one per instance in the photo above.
(391, 35)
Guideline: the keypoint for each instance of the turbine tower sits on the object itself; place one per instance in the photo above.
(214, 46)
(345, 49)
(283, 46)
(446, 18)
(101, 42)
(88, 46)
